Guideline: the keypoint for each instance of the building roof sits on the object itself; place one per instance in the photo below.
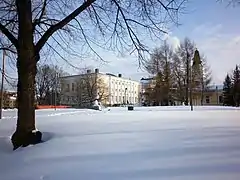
(147, 79)
(214, 87)
(106, 74)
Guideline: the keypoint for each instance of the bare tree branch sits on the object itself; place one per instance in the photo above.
(9, 35)
(62, 23)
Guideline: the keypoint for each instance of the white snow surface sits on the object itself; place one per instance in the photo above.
(149, 143)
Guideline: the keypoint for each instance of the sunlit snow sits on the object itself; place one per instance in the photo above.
(149, 143)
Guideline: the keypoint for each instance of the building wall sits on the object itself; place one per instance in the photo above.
(123, 90)
(213, 97)
(119, 90)
(9, 99)
(69, 90)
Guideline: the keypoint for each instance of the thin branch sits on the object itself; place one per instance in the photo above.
(62, 23)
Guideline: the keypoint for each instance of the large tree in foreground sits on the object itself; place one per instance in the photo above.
(28, 25)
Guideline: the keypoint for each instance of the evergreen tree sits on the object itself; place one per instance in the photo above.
(236, 86)
(227, 92)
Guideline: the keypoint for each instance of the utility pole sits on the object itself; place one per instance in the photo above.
(187, 79)
(190, 86)
(202, 84)
(125, 96)
(3, 67)
(55, 97)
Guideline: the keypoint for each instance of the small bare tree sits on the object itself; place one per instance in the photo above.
(182, 64)
(160, 66)
(48, 83)
(91, 87)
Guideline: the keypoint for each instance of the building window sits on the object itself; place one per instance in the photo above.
(73, 88)
(68, 88)
(116, 99)
(220, 98)
(207, 99)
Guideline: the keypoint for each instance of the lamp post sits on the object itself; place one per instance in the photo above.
(191, 103)
(125, 95)
(3, 68)
(55, 94)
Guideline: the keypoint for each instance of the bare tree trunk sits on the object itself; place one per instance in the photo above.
(202, 85)
(26, 65)
(26, 97)
(187, 81)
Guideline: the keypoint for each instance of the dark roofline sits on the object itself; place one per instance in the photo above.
(107, 74)
(147, 78)
(63, 77)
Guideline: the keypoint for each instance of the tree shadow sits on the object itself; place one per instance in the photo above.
(7, 147)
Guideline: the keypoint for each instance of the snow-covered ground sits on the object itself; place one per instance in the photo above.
(149, 143)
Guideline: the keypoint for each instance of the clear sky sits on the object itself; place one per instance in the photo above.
(213, 26)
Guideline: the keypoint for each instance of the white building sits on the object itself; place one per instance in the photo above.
(117, 90)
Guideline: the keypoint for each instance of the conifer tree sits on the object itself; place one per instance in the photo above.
(236, 86)
(227, 92)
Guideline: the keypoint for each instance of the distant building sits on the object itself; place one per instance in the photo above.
(9, 99)
(108, 89)
(212, 95)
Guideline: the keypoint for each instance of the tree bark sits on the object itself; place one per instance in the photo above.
(26, 66)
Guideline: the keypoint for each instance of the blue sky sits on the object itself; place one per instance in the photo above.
(214, 27)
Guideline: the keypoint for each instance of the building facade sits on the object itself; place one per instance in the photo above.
(212, 96)
(109, 89)
(9, 99)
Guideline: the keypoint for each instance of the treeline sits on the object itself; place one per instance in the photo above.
(175, 72)
(48, 90)
(231, 88)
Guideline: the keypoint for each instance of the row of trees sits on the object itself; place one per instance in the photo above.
(175, 71)
(231, 88)
(48, 89)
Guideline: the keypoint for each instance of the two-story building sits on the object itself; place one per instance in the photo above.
(107, 88)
